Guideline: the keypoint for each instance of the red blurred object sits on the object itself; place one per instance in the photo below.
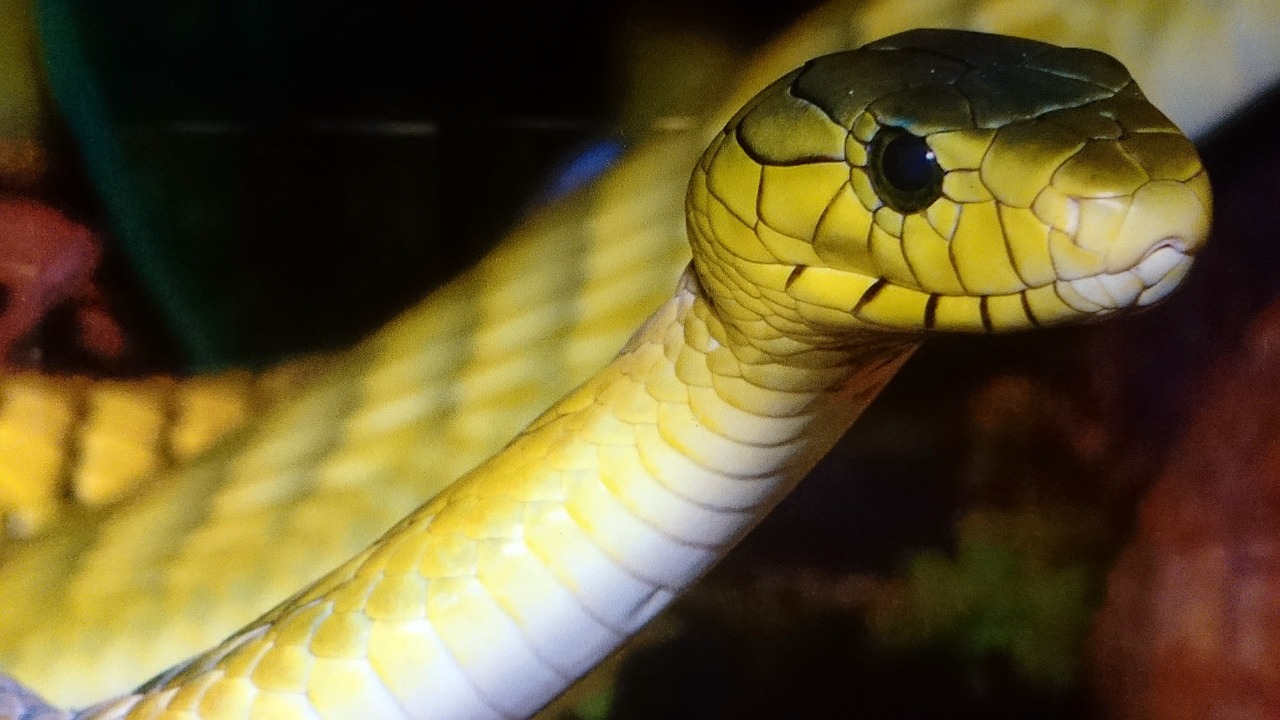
(1191, 624)
(47, 260)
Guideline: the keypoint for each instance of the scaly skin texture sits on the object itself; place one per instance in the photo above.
(804, 296)
(92, 440)
(549, 555)
(105, 601)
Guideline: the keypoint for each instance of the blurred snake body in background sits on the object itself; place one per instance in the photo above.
(808, 289)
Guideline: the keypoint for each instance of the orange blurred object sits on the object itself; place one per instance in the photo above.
(1190, 628)
(45, 260)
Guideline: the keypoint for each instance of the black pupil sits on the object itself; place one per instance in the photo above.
(908, 163)
(904, 171)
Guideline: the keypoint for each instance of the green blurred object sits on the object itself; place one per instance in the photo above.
(1014, 587)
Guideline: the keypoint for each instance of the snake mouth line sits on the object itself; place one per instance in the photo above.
(1157, 274)
(1149, 281)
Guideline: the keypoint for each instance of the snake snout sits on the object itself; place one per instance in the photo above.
(1162, 215)
(1166, 225)
(1151, 254)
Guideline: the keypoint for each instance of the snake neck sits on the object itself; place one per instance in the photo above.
(710, 407)
(488, 600)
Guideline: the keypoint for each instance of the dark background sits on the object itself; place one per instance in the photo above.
(283, 176)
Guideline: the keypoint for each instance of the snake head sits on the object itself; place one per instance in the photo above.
(946, 180)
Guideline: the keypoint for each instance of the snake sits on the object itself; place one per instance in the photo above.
(931, 181)
(366, 404)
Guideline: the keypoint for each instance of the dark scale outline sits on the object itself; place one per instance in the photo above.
(752, 153)
(710, 230)
(951, 246)
(791, 90)
(1049, 228)
(1026, 309)
(951, 233)
(73, 447)
(868, 295)
(931, 311)
(762, 221)
(902, 242)
(1058, 294)
(901, 250)
(756, 231)
(1001, 208)
(171, 413)
(706, 172)
(822, 219)
(984, 312)
(795, 275)
(1053, 121)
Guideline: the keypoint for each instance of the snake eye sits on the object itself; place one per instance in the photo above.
(904, 171)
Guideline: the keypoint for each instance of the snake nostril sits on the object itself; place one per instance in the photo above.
(1163, 258)
(1174, 242)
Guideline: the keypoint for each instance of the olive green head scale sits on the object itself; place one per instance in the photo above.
(945, 180)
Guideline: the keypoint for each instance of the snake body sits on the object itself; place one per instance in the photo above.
(95, 440)
(103, 601)
(933, 180)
